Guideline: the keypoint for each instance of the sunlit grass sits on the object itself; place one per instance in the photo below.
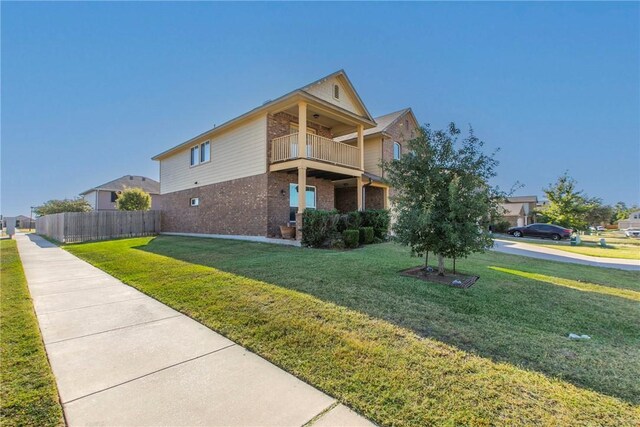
(389, 373)
(28, 394)
(573, 284)
(621, 252)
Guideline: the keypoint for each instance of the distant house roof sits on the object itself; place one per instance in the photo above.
(523, 199)
(384, 123)
(149, 185)
(513, 209)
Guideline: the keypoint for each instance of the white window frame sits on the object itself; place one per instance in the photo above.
(200, 150)
(194, 202)
(399, 150)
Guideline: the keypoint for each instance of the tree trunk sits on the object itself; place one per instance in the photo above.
(454, 265)
(440, 265)
(426, 260)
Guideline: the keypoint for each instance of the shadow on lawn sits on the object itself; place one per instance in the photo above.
(506, 317)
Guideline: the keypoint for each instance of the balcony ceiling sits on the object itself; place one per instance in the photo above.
(327, 119)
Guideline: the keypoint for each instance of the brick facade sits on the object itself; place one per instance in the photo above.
(346, 199)
(278, 198)
(252, 206)
(237, 206)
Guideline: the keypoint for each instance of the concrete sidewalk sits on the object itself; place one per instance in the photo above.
(535, 251)
(122, 358)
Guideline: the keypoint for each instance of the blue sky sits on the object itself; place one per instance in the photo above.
(91, 91)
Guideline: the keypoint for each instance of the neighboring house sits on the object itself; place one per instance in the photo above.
(243, 177)
(22, 221)
(103, 197)
(520, 210)
(632, 222)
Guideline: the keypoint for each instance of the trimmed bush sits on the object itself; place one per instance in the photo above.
(366, 235)
(378, 219)
(501, 226)
(350, 221)
(351, 238)
(319, 228)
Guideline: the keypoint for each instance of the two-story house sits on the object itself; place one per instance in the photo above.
(317, 147)
(103, 197)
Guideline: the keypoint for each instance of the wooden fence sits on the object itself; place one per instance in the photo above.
(74, 227)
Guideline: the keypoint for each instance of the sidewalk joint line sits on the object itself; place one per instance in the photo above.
(94, 305)
(77, 290)
(68, 279)
(150, 373)
(321, 414)
(111, 330)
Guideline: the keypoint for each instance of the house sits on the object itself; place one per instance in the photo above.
(244, 176)
(632, 222)
(21, 221)
(520, 210)
(103, 197)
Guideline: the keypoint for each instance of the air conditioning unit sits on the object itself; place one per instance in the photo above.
(195, 201)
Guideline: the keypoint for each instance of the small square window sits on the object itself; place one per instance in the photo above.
(195, 201)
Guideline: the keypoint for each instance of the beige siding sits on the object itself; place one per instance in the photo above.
(324, 91)
(373, 155)
(237, 153)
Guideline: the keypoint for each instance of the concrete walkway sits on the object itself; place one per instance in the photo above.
(122, 358)
(535, 251)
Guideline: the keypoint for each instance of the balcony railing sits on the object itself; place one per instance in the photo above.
(317, 148)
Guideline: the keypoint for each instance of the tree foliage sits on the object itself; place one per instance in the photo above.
(64, 205)
(133, 199)
(443, 198)
(568, 206)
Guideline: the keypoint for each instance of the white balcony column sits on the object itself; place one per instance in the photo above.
(361, 145)
(360, 194)
(302, 129)
(302, 189)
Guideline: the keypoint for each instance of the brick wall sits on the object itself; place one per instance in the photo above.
(278, 203)
(374, 198)
(403, 130)
(237, 206)
(346, 199)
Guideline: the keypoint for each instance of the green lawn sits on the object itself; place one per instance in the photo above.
(402, 351)
(28, 396)
(617, 251)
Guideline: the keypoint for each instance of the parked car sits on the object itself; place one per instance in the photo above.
(601, 228)
(548, 231)
(632, 232)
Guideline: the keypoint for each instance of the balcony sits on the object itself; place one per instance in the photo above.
(317, 148)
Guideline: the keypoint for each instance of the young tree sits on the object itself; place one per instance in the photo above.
(133, 199)
(444, 201)
(64, 205)
(567, 206)
(598, 213)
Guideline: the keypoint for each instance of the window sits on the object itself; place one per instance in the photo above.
(114, 196)
(205, 152)
(397, 151)
(194, 201)
(336, 91)
(195, 155)
(293, 199)
(200, 153)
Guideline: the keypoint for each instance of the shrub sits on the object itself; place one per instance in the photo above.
(351, 238)
(133, 199)
(501, 227)
(350, 221)
(378, 219)
(366, 235)
(319, 227)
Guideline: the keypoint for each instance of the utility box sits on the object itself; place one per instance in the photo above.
(11, 226)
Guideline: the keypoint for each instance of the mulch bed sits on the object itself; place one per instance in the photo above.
(447, 279)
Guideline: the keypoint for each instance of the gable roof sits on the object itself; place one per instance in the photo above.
(149, 185)
(527, 199)
(341, 75)
(384, 123)
(303, 91)
(513, 209)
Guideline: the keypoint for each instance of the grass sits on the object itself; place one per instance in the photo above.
(621, 252)
(28, 394)
(399, 350)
